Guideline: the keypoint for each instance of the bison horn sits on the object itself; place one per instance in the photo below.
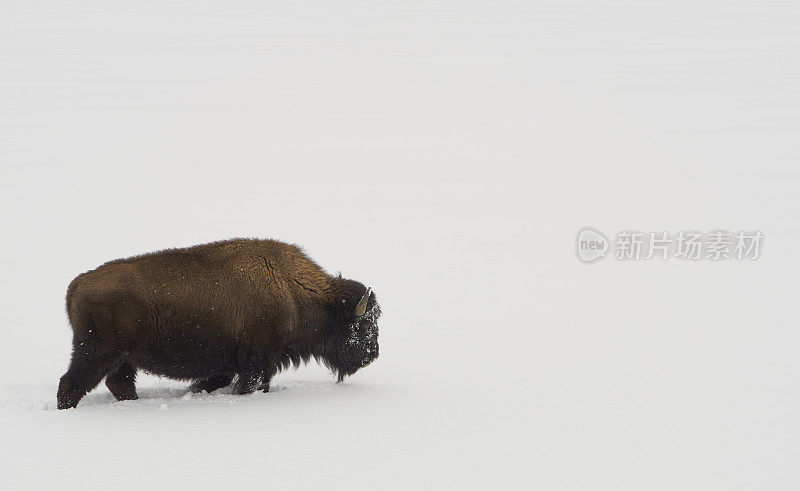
(361, 307)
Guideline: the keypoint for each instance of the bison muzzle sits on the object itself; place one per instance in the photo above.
(240, 310)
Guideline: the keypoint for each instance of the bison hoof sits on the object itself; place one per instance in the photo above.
(67, 401)
(67, 397)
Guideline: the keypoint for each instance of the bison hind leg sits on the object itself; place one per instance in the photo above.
(122, 382)
(211, 383)
(83, 375)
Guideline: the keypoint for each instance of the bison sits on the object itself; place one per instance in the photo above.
(240, 309)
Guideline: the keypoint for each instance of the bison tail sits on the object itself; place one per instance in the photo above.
(73, 285)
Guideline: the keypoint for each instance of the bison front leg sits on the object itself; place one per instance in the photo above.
(122, 382)
(263, 385)
(255, 373)
(211, 383)
(249, 382)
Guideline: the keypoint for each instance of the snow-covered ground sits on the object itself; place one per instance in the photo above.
(446, 154)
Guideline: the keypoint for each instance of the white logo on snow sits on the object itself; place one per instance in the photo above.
(591, 245)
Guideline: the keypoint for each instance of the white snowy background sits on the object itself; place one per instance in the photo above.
(445, 153)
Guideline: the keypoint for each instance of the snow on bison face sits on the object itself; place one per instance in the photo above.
(358, 345)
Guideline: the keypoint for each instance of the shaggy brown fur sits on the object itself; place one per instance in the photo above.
(242, 308)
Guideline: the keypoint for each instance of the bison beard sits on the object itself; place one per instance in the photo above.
(240, 310)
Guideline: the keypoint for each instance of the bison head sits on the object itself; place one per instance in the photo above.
(355, 341)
